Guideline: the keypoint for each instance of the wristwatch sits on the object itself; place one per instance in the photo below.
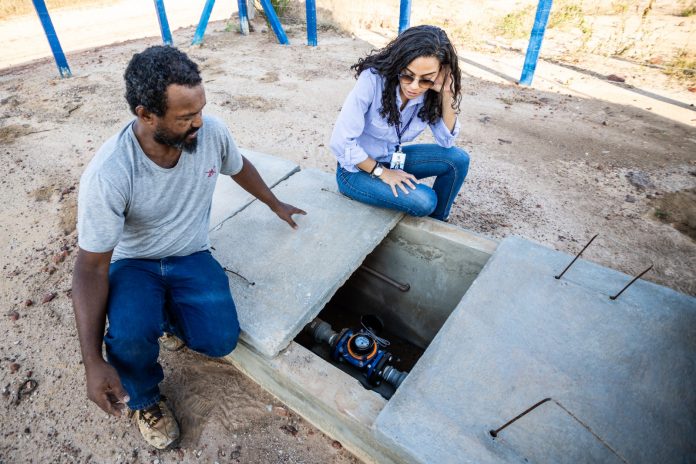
(378, 170)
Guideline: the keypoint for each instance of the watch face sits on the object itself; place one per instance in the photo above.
(379, 170)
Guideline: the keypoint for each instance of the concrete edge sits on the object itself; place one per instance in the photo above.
(452, 233)
(288, 378)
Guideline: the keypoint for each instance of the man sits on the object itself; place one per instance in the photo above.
(143, 220)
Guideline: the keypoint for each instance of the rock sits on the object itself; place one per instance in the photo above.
(14, 315)
(337, 444)
(289, 429)
(14, 367)
(281, 411)
(630, 199)
(28, 303)
(640, 180)
(48, 297)
(615, 78)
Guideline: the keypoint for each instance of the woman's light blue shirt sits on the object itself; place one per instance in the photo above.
(361, 132)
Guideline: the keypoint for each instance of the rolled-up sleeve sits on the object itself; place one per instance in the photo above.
(442, 134)
(351, 122)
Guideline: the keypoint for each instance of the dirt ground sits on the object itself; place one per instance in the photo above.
(574, 156)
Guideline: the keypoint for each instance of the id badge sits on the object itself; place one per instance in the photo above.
(398, 160)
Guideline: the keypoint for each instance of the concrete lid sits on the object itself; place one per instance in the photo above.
(281, 278)
(229, 197)
(621, 373)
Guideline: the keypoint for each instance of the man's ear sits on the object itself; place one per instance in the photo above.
(145, 116)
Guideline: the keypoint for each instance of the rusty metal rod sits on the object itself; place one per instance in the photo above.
(494, 433)
(630, 283)
(403, 287)
(576, 257)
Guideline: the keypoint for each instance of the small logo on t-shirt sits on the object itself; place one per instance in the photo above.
(211, 172)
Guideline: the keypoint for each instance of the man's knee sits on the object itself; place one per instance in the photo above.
(218, 343)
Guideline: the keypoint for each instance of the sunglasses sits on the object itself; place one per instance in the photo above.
(407, 79)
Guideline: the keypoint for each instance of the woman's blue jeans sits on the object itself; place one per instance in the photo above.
(185, 295)
(449, 165)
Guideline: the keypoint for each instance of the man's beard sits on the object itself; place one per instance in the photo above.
(177, 141)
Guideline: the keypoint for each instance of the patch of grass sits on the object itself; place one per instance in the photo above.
(661, 214)
(689, 10)
(515, 25)
(566, 15)
(682, 66)
(10, 8)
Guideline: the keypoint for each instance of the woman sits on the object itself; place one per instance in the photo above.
(412, 82)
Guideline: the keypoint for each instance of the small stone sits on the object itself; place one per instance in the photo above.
(27, 430)
(48, 297)
(281, 411)
(337, 444)
(14, 367)
(14, 315)
(28, 303)
(29, 374)
(630, 198)
(289, 429)
(615, 78)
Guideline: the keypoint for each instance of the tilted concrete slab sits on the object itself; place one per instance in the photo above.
(229, 198)
(621, 373)
(281, 278)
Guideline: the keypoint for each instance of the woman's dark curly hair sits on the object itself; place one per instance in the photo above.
(395, 57)
(149, 73)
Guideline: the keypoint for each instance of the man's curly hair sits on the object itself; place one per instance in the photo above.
(395, 57)
(149, 73)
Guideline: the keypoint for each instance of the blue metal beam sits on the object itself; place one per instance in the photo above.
(243, 17)
(163, 23)
(274, 21)
(52, 37)
(404, 15)
(535, 40)
(311, 7)
(203, 23)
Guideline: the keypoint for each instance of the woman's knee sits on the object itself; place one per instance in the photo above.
(422, 201)
(459, 158)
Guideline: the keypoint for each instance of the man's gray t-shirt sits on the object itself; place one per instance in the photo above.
(129, 204)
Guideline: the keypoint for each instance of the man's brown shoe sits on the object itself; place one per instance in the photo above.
(171, 342)
(158, 425)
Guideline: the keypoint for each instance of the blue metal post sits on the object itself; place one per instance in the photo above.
(275, 22)
(52, 37)
(243, 17)
(404, 15)
(530, 60)
(163, 23)
(311, 6)
(203, 23)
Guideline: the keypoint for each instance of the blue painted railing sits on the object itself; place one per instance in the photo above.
(52, 37)
(163, 23)
(404, 15)
(311, 7)
(535, 40)
(203, 23)
(275, 22)
(243, 17)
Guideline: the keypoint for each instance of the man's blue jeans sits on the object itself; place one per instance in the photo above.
(185, 295)
(449, 165)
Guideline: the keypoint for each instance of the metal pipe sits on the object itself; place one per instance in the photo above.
(243, 17)
(535, 39)
(403, 287)
(576, 257)
(404, 15)
(203, 23)
(274, 22)
(311, 7)
(494, 433)
(163, 23)
(53, 42)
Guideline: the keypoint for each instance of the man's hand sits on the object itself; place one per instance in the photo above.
(104, 388)
(285, 212)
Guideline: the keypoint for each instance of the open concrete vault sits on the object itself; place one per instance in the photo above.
(495, 333)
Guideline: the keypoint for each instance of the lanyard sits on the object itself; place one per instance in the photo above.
(399, 133)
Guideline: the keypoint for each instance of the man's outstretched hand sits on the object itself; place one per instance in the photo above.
(104, 388)
(285, 212)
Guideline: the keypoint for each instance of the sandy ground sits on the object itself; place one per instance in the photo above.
(574, 156)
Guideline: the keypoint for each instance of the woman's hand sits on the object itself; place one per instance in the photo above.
(397, 177)
(443, 81)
